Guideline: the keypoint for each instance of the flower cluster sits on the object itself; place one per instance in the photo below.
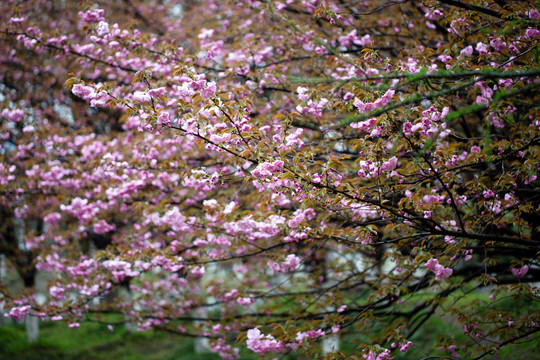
(261, 343)
(290, 264)
(440, 271)
(380, 102)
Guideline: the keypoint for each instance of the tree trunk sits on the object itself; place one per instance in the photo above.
(32, 328)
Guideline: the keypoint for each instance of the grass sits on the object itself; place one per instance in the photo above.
(92, 342)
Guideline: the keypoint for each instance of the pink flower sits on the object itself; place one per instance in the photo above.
(348, 39)
(440, 271)
(291, 263)
(431, 264)
(531, 179)
(360, 105)
(52, 218)
(163, 119)
(364, 40)
(206, 33)
(312, 334)
(443, 273)
(407, 128)
(175, 219)
(296, 221)
(157, 92)
(533, 14)
(267, 169)
(209, 90)
(18, 313)
(521, 271)
(12, 115)
(532, 33)
(120, 269)
(434, 15)
(444, 58)
(389, 165)
(302, 93)
(91, 16)
(482, 48)
(102, 28)
(452, 349)
(141, 96)
(261, 343)
(468, 51)
(57, 292)
(384, 355)
(388, 96)
(498, 44)
(245, 300)
(197, 272)
(101, 227)
(17, 20)
(348, 96)
(381, 102)
(85, 92)
(274, 266)
(406, 347)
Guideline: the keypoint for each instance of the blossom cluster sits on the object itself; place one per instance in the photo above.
(440, 271)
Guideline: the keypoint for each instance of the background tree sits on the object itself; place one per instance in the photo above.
(275, 172)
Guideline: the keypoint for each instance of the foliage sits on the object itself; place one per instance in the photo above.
(267, 174)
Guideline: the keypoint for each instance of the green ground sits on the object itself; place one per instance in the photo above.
(93, 342)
